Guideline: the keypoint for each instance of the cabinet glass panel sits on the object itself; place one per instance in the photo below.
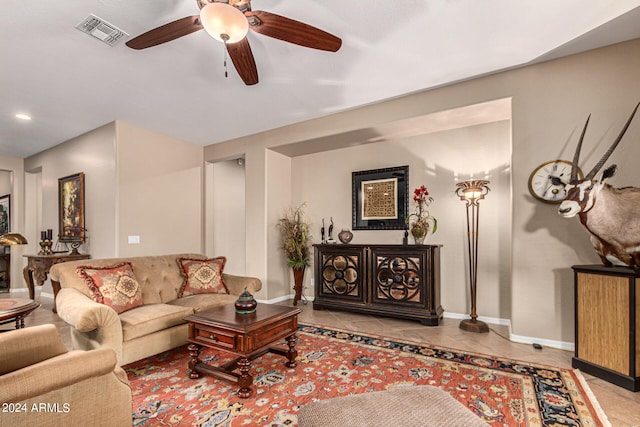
(398, 278)
(340, 275)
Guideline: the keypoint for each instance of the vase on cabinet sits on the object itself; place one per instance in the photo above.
(419, 231)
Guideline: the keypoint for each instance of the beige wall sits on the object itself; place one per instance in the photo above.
(160, 193)
(550, 102)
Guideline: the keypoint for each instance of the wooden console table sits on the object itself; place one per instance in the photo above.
(390, 280)
(607, 322)
(38, 267)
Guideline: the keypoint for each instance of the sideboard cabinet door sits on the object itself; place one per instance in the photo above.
(340, 274)
(398, 277)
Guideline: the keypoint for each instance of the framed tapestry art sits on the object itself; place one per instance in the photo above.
(380, 199)
(5, 214)
(71, 208)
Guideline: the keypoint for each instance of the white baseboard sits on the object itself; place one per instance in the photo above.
(561, 345)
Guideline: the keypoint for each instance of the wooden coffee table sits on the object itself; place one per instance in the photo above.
(16, 309)
(247, 335)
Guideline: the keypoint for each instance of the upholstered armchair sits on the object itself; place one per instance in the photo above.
(44, 384)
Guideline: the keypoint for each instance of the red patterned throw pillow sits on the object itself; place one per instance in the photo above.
(115, 286)
(202, 276)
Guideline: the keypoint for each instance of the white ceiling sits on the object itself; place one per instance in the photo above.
(71, 83)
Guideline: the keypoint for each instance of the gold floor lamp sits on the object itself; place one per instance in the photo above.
(471, 192)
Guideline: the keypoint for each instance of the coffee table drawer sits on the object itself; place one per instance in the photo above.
(209, 336)
(277, 331)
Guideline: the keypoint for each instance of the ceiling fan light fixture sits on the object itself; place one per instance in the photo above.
(223, 21)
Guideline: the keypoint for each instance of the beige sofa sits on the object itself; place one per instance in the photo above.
(43, 384)
(157, 325)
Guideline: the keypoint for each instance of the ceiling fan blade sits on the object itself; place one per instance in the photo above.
(166, 33)
(242, 58)
(289, 30)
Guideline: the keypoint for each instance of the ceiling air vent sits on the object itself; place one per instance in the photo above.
(101, 29)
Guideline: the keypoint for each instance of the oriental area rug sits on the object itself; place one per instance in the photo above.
(335, 363)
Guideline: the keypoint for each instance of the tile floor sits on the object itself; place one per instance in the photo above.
(621, 406)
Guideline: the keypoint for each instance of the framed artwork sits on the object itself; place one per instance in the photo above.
(380, 199)
(5, 214)
(71, 208)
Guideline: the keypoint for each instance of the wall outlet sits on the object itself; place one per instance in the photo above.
(133, 240)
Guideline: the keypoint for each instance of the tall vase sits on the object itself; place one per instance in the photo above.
(298, 280)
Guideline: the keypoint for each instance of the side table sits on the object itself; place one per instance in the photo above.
(15, 309)
(38, 267)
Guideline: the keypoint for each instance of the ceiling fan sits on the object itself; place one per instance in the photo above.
(228, 21)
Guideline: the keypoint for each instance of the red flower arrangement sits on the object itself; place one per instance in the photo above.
(424, 221)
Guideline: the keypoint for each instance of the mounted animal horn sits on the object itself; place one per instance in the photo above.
(576, 156)
(606, 155)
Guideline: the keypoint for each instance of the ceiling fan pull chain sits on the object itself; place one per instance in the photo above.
(225, 61)
(224, 39)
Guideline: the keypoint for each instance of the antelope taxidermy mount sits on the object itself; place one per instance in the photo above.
(610, 215)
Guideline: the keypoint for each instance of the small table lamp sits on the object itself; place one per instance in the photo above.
(12, 239)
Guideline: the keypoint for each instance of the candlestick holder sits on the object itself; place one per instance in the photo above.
(45, 247)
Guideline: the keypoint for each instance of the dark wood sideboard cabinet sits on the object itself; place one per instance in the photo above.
(390, 280)
(607, 323)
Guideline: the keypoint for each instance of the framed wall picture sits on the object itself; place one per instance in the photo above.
(5, 214)
(71, 208)
(380, 199)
